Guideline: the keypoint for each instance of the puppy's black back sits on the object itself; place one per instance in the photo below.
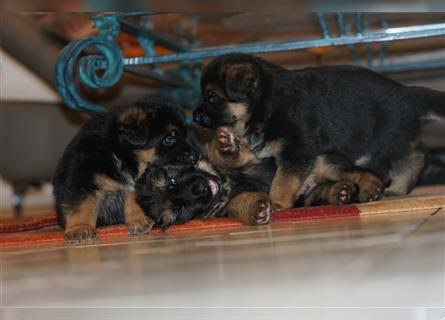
(347, 110)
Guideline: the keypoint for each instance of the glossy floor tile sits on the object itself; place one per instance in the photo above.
(226, 313)
(371, 262)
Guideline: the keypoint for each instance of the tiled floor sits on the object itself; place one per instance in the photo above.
(388, 266)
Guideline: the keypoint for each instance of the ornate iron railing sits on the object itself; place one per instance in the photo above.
(105, 66)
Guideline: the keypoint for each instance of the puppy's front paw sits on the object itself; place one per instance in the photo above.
(342, 192)
(370, 190)
(140, 225)
(226, 142)
(263, 212)
(80, 234)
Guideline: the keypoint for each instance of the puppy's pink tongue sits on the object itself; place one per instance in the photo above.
(214, 188)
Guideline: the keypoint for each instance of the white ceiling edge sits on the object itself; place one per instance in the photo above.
(18, 83)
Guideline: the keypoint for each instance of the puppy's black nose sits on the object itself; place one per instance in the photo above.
(202, 119)
(200, 187)
(189, 157)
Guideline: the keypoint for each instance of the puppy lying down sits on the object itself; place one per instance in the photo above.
(227, 181)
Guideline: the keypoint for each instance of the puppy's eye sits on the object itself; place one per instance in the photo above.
(171, 184)
(170, 139)
(213, 97)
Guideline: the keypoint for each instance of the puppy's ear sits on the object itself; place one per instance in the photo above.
(133, 127)
(241, 80)
(135, 115)
(133, 139)
(150, 194)
(167, 216)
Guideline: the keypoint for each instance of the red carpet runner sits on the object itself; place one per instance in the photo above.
(13, 232)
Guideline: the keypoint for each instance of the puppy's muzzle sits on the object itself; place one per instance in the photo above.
(188, 157)
(202, 119)
(200, 187)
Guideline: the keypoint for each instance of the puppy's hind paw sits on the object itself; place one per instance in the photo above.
(263, 212)
(370, 191)
(342, 192)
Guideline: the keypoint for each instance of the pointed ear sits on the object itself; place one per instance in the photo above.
(133, 137)
(241, 80)
(135, 116)
(133, 127)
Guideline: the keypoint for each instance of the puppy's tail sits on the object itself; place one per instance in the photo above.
(431, 102)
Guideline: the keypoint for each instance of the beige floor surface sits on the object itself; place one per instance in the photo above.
(383, 266)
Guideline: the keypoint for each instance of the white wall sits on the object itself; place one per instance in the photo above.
(17, 83)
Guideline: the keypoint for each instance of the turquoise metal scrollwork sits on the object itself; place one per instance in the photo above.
(105, 65)
(107, 59)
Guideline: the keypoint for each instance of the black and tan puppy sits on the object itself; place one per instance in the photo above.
(328, 123)
(227, 181)
(94, 182)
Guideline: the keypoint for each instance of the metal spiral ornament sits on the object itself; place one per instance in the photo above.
(108, 59)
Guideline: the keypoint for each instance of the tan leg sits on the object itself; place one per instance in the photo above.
(80, 222)
(251, 208)
(135, 218)
(284, 189)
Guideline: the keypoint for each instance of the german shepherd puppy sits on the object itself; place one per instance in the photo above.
(227, 181)
(94, 181)
(321, 124)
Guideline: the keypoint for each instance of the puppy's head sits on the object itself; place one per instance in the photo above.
(230, 85)
(176, 194)
(154, 132)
